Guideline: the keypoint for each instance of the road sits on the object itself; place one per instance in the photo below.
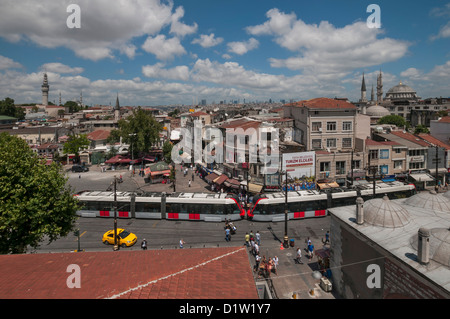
(165, 234)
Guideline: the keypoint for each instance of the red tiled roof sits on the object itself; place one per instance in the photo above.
(219, 273)
(323, 103)
(434, 141)
(445, 119)
(410, 137)
(199, 113)
(372, 142)
(241, 123)
(98, 135)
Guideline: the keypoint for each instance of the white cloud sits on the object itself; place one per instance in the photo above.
(7, 63)
(105, 28)
(444, 32)
(179, 28)
(411, 73)
(157, 71)
(60, 68)
(324, 48)
(243, 47)
(207, 41)
(162, 48)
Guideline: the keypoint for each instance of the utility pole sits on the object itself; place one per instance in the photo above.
(116, 246)
(436, 160)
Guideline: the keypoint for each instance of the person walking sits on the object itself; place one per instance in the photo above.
(247, 239)
(257, 260)
(327, 238)
(299, 256)
(227, 234)
(189, 183)
(275, 264)
(144, 244)
(258, 237)
(256, 248)
(182, 243)
(311, 251)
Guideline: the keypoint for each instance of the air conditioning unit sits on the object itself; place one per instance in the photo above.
(325, 284)
(241, 178)
(320, 129)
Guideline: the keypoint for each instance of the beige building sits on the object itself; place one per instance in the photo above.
(323, 123)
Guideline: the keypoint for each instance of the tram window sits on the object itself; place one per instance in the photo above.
(172, 208)
(183, 208)
(218, 209)
(148, 207)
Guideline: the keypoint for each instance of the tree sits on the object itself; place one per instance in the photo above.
(167, 151)
(396, 120)
(74, 144)
(35, 202)
(8, 108)
(421, 129)
(140, 130)
(73, 106)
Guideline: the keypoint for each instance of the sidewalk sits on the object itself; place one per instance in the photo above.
(292, 277)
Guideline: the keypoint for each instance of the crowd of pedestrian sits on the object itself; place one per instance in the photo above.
(264, 266)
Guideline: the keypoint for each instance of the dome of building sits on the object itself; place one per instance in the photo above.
(439, 245)
(429, 201)
(401, 91)
(385, 213)
(377, 111)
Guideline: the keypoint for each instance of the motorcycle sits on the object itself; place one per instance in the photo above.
(230, 226)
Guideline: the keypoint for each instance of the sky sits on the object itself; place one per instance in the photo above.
(154, 53)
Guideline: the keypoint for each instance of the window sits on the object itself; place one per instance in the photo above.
(331, 126)
(397, 164)
(384, 169)
(324, 166)
(397, 150)
(331, 142)
(416, 165)
(316, 126)
(373, 154)
(357, 164)
(346, 126)
(340, 168)
(316, 143)
(347, 142)
(384, 154)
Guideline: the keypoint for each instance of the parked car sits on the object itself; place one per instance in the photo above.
(79, 168)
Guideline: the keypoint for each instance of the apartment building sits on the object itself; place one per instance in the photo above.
(323, 123)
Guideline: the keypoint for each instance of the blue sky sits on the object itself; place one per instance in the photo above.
(179, 52)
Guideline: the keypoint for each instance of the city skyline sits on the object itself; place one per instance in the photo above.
(173, 52)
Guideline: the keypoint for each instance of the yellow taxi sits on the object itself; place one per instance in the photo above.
(124, 238)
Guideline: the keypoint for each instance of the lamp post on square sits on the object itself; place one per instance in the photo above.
(286, 238)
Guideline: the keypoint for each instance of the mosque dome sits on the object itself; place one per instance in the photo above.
(401, 91)
(377, 111)
(385, 213)
(439, 245)
(430, 201)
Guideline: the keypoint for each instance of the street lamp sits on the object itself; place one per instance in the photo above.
(116, 246)
(286, 238)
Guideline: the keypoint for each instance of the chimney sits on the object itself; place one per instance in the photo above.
(423, 249)
(359, 211)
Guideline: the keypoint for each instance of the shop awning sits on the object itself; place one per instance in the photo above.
(160, 173)
(254, 188)
(233, 183)
(327, 185)
(219, 180)
(422, 177)
(211, 177)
